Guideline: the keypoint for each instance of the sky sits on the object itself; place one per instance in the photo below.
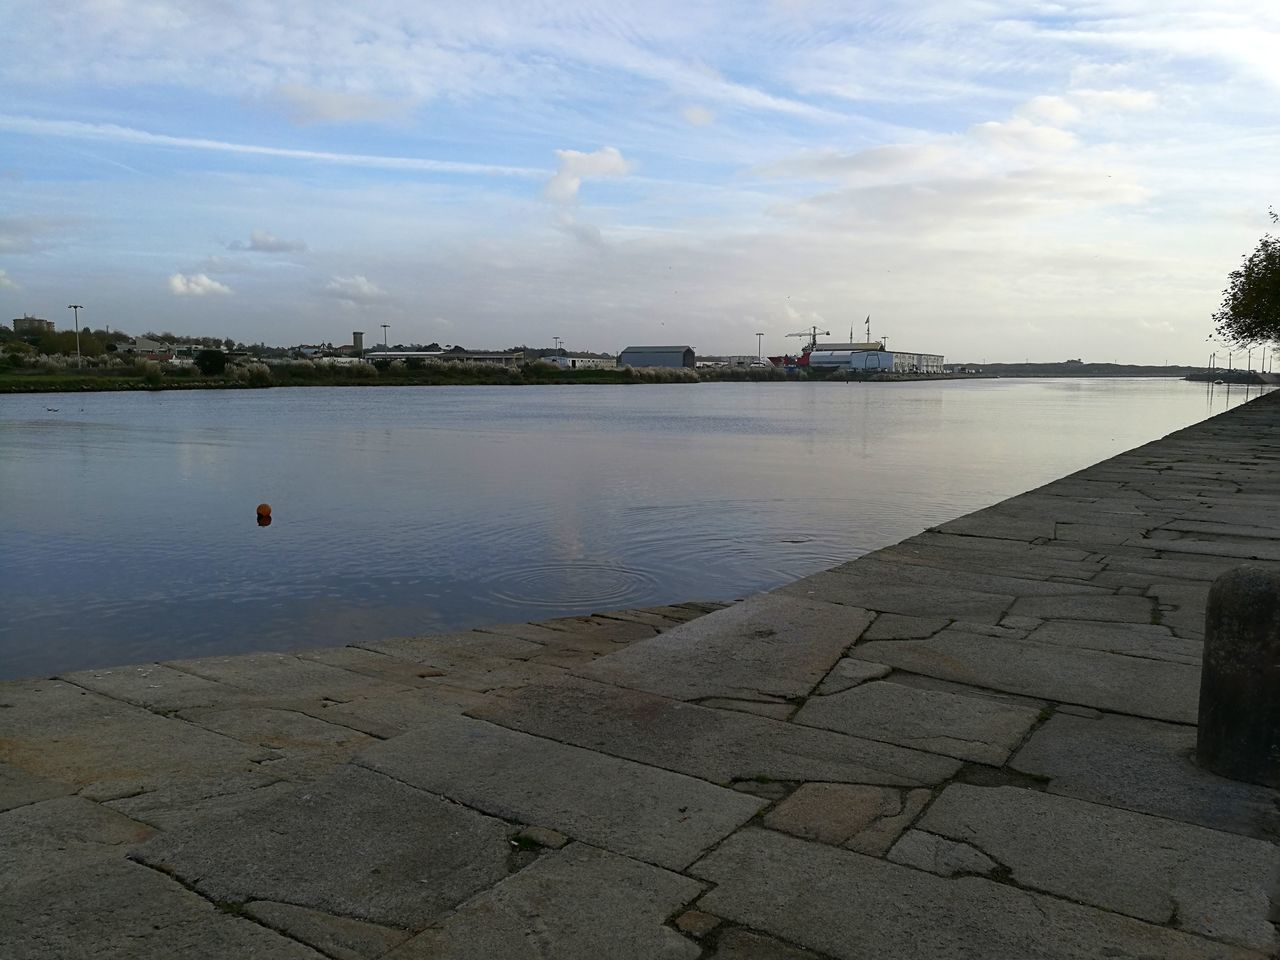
(994, 181)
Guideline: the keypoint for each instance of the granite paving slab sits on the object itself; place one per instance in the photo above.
(711, 744)
(1107, 608)
(1108, 681)
(282, 674)
(1199, 880)
(108, 749)
(578, 903)
(19, 788)
(976, 577)
(125, 911)
(1145, 766)
(907, 599)
(340, 938)
(155, 686)
(803, 892)
(1133, 639)
(740, 944)
(355, 844)
(969, 728)
(639, 811)
(770, 644)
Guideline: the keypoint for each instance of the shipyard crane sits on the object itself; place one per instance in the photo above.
(812, 333)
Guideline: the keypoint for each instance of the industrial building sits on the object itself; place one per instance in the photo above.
(873, 356)
(582, 363)
(682, 356)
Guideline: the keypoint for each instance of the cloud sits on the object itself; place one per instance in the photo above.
(260, 241)
(7, 282)
(196, 285)
(306, 105)
(76, 130)
(698, 116)
(1019, 134)
(575, 165)
(585, 233)
(356, 290)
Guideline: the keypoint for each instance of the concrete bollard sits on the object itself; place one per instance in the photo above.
(1239, 731)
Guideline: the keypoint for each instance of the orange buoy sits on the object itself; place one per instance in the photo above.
(264, 514)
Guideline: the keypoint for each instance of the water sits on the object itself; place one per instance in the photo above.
(127, 528)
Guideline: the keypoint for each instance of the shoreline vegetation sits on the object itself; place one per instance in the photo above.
(152, 375)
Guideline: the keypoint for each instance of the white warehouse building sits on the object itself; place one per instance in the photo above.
(860, 359)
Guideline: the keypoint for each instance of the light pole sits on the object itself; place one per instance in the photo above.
(384, 336)
(759, 346)
(559, 344)
(75, 309)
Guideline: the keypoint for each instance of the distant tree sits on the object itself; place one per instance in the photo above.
(228, 344)
(211, 362)
(1250, 310)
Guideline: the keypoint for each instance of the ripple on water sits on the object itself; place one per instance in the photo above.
(574, 583)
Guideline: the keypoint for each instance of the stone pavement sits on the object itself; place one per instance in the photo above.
(972, 744)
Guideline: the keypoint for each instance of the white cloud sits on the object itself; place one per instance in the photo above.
(196, 285)
(1019, 134)
(698, 116)
(7, 282)
(575, 165)
(304, 104)
(356, 290)
(74, 129)
(260, 241)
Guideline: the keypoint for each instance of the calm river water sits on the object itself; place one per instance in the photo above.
(127, 526)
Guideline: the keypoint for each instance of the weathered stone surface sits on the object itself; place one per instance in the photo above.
(909, 599)
(109, 749)
(711, 744)
(597, 634)
(769, 644)
(895, 626)
(116, 910)
(802, 892)
(155, 686)
(19, 788)
(70, 828)
(449, 650)
(170, 809)
(1149, 688)
(283, 675)
(576, 904)
(654, 815)
(739, 944)
(1145, 766)
(1132, 639)
(305, 745)
(946, 858)
(876, 839)
(970, 728)
(542, 837)
(1199, 880)
(1105, 608)
(761, 708)
(833, 812)
(848, 673)
(971, 576)
(393, 713)
(1182, 607)
(354, 844)
(338, 937)
(697, 924)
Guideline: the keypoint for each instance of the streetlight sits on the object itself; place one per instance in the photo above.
(384, 336)
(759, 347)
(559, 344)
(75, 308)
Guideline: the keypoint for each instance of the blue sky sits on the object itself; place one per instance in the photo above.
(988, 180)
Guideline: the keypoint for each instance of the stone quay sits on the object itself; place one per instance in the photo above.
(977, 743)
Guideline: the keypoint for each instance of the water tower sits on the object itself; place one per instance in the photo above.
(357, 341)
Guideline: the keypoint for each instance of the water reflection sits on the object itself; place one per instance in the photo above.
(126, 522)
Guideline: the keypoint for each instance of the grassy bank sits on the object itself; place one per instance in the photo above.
(304, 374)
